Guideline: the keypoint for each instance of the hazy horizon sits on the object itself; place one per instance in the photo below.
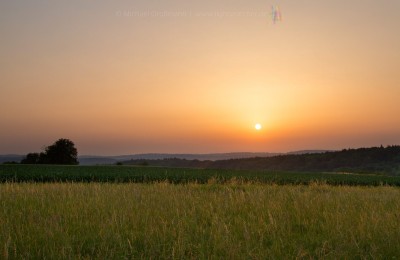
(129, 77)
(150, 153)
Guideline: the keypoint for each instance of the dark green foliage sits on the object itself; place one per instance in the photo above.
(31, 158)
(63, 151)
(58, 173)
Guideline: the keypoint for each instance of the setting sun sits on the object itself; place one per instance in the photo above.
(258, 126)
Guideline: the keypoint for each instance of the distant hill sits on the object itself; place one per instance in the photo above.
(11, 158)
(362, 160)
(92, 160)
(309, 151)
(99, 160)
(96, 160)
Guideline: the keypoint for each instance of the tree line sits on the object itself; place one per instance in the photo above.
(363, 160)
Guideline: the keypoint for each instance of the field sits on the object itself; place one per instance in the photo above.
(231, 221)
(52, 173)
(120, 212)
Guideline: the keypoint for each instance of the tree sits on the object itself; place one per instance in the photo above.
(43, 158)
(63, 151)
(31, 158)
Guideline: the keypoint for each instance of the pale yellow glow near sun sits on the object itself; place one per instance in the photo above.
(258, 126)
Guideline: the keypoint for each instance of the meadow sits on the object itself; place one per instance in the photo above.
(202, 221)
(128, 212)
(143, 174)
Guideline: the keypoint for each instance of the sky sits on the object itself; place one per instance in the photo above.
(178, 76)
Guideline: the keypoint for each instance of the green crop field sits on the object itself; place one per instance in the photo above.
(201, 221)
(53, 173)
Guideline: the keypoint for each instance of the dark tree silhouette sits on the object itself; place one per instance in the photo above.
(31, 158)
(63, 151)
(43, 158)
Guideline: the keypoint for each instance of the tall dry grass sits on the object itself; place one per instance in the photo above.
(235, 221)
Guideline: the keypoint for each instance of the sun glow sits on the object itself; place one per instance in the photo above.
(258, 126)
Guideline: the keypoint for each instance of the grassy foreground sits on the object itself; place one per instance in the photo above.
(162, 220)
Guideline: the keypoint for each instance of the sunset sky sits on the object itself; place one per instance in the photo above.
(178, 76)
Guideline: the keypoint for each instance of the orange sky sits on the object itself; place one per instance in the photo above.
(199, 77)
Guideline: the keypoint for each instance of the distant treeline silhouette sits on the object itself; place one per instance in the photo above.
(384, 160)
